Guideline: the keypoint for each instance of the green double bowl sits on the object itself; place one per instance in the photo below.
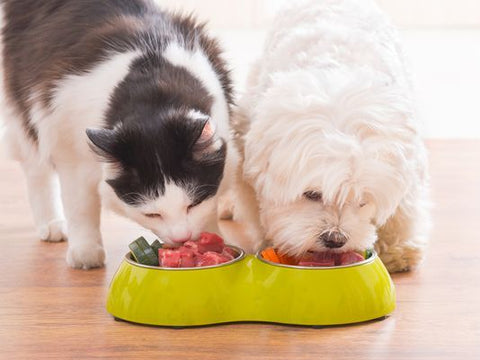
(250, 288)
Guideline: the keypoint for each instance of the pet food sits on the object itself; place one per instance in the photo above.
(315, 258)
(143, 253)
(209, 250)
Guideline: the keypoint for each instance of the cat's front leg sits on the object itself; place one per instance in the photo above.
(81, 202)
(44, 197)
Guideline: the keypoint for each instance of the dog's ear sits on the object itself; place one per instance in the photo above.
(369, 210)
(102, 142)
(380, 219)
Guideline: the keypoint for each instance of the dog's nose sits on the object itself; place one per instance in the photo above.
(333, 239)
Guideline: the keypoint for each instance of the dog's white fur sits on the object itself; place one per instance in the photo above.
(328, 108)
(63, 160)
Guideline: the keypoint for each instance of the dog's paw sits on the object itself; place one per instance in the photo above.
(396, 265)
(86, 256)
(54, 231)
(400, 259)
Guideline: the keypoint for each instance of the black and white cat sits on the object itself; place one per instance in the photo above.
(149, 89)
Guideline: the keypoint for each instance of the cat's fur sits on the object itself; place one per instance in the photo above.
(151, 91)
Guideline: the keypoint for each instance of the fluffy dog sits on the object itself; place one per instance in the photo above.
(331, 154)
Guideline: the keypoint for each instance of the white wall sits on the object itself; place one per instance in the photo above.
(433, 13)
(441, 37)
(256, 14)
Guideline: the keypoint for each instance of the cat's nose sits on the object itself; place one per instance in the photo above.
(333, 239)
(183, 239)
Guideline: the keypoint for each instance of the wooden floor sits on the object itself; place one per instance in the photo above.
(50, 311)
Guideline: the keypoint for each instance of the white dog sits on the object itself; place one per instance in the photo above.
(331, 152)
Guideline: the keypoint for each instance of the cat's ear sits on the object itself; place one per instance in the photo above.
(207, 135)
(101, 141)
(208, 132)
(208, 141)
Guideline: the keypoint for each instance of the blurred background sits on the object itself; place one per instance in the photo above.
(441, 38)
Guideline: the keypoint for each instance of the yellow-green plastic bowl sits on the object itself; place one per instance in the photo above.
(250, 288)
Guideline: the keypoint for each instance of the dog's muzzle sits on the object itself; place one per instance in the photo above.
(333, 239)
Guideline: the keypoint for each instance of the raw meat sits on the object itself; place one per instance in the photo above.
(209, 250)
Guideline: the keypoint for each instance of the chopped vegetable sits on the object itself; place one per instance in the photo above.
(143, 253)
(156, 245)
(271, 255)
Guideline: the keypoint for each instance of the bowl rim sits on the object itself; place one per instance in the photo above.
(360, 263)
(241, 256)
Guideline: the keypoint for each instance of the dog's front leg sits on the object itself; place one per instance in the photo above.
(402, 240)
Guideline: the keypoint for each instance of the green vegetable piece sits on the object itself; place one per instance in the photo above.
(368, 253)
(156, 245)
(143, 253)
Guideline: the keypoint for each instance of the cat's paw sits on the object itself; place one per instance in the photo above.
(54, 231)
(86, 256)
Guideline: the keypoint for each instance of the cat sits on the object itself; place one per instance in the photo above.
(118, 98)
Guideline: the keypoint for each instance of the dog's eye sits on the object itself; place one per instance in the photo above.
(153, 215)
(313, 195)
(362, 204)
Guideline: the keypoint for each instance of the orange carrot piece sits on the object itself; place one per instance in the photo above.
(270, 255)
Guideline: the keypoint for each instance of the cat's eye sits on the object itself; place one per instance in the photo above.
(153, 215)
(192, 205)
(362, 204)
(313, 195)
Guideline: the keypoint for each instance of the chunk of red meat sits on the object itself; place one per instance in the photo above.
(211, 258)
(228, 253)
(210, 242)
(187, 257)
(317, 263)
(317, 259)
(349, 257)
(174, 258)
(191, 245)
(324, 257)
(208, 250)
(169, 258)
